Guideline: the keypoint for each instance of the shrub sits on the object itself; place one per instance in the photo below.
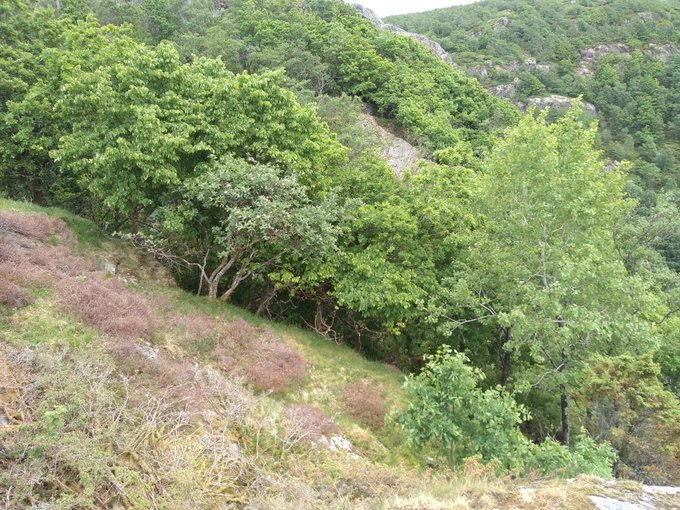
(451, 414)
(585, 456)
(630, 407)
(260, 356)
(309, 422)
(364, 403)
(12, 295)
(107, 305)
(38, 226)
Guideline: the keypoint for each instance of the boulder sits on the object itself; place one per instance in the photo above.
(649, 16)
(505, 91)
(501, 23)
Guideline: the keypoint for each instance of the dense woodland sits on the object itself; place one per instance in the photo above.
(531, 286)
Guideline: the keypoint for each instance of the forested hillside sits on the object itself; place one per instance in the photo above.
(620, 56)
(528, 285)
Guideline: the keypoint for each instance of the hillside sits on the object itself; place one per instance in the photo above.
(620, 56)
(118, 390)
(294, 256)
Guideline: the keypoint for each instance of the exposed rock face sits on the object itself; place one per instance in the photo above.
(505, 91)
(433, 46)
(590, 55)
(478, 70)
(584, 71)
(661, 52)
(501, 23)
(557, 101)
(650, 498)
(649, 16)
(399, 154)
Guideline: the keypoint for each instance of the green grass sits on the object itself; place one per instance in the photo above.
(41, 323)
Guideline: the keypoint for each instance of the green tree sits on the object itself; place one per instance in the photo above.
(544, 270)
(450, 413)
(626, 404)
(240, 220)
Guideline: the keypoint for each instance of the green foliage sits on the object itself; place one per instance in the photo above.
(585, 456)
(634, 85)
(628, 406)
(449, 412)
(241, 219)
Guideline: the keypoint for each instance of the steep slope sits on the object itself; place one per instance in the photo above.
(620, 56)
(151, 392)
(118, 390)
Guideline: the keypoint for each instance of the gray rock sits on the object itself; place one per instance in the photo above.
(505, 91)
(399, 154)
(109, 267)
(590, 55)
(479, 70)
(501, 23)
(584, 71)
(661, 52)
(433, 46)
(557, 101)
(649, 16)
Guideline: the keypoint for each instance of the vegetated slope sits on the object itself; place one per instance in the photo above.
(327, 48)
(517, 249)
(118, 390)
(621, 56)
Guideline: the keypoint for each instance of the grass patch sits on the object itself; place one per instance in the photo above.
(41, 323)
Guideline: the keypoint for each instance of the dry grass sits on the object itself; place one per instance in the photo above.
(310, 421)
(365, 403)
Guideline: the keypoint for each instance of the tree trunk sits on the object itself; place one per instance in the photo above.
(504, 355)
(215, 277)
(564, 403)
(265, 301)
(212, 288)
(134, 219)
(240, 276)
(505, 368)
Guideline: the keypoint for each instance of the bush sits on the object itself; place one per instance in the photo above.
(450, 413)
(259, 355)
(107, 305)
(584, 457)
(365, 404)
(38, 226)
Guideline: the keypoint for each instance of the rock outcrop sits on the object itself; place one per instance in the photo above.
(399, 154)
(661, 52)
(501, 23)
(433, 46)
(590, 55)
(557, 101)
(506, 91)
